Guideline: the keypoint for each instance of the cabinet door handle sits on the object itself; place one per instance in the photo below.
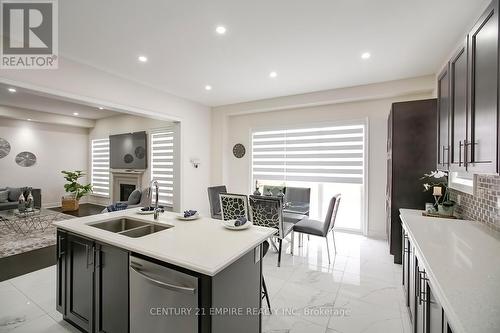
(417, 286)
(90, 256)
(447, 160)
(422, 289)
(60, 251)
(405, 247)
(460, 145)
(172, 287)
(442, 157)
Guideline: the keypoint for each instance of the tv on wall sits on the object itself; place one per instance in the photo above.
(128, 151)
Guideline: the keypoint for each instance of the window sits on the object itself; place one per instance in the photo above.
(328, 160)
(162, 163)
(100, 167)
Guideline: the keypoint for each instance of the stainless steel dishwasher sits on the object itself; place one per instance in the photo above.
(161, 299)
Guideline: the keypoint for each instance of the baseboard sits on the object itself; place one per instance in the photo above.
(51, 204)
(58, 203)
(377, 235)
(27, 262)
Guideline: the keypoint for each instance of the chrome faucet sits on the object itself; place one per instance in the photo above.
(157, 187)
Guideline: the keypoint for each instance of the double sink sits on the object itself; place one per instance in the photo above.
(130, 227)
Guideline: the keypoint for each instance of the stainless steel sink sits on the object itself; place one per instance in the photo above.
(145, 230)
(130, 227)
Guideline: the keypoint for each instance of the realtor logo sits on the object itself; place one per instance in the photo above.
(29, 34)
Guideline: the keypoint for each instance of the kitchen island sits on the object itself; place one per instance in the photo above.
(125, 272)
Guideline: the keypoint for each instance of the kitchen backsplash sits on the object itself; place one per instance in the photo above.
(484, 206)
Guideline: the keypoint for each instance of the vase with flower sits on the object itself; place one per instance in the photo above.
(437, 182)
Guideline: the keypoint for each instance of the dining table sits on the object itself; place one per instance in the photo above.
(294, 212)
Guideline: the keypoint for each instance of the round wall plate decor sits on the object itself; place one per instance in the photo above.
(25, 159)
(4, 147)
(140, 152)
(128, 158)
(239, 150)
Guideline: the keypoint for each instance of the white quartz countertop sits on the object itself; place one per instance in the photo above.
(202, 245)
(462, 261)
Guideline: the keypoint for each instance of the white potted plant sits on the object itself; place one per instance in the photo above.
(437, 182)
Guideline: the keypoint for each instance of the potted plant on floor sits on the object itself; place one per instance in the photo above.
(71, 202)
(437, 182)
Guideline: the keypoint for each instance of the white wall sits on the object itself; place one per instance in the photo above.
(231, 126)
(124, 124)
(76, 82)
(56, 147)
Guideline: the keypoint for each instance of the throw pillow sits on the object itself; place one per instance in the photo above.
(14, 193)
(4, 196)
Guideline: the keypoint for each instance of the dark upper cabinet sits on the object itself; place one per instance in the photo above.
(482, 147)
(79, 281)
(468, 91)
(111, 290)
(458, 108)
(443, 146)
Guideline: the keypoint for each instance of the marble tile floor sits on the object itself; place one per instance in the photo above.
(360, 291)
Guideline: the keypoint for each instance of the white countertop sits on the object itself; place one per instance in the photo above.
(462, 261)
(202, 245)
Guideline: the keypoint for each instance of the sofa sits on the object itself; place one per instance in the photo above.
(10, 200)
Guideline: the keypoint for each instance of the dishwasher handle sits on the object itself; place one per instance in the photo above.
(184, 290)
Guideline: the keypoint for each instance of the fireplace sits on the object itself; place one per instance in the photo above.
(126, 190)
(123, 183)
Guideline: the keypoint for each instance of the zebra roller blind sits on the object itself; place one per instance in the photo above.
(162, 163)
(332, 154)
(100, 167)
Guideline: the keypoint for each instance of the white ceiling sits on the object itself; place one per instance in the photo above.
(312, 45)
(28, 99)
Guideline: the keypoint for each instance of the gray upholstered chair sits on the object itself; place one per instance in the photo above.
(233, 206)
(272, 190)
(298, 198)
(214, 201)
(319, 228)
(268, 212)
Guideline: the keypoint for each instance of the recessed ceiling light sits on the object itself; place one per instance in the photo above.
(221, 30)
(208, 87)
(75, 113)
(12, 90)
(101, 108)
(29, 119)
(273, 75)
(142, 58)
(366, 56)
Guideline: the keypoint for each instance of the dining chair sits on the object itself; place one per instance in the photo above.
(272, 190)
(299, 197)
(319, 228)
(214, 201)
(268, 212)
(233, 206)
(297, 203)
